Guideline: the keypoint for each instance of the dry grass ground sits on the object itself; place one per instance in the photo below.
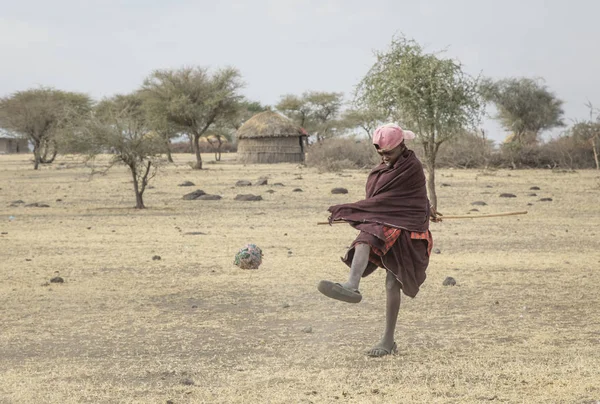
(521, 326)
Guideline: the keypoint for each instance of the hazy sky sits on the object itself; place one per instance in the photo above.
(103, 47)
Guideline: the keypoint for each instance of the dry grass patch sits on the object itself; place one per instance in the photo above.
(522, 324)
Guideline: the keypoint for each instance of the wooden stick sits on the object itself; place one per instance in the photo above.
(456, 217)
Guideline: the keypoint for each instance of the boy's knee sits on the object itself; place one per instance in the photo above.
(391, 283)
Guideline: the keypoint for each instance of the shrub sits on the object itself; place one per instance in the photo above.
(342, 153)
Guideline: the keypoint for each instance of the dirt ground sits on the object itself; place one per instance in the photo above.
(522, 325)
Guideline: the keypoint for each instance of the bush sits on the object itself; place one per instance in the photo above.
(467, 151)
(342, 153)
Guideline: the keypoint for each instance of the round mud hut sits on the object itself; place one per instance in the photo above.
(269, 137)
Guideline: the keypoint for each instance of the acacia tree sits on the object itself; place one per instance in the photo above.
(225, 128)
(41, 115)
(526, 107)
(431, 95)
(368, 119)
(158, 121)
(315, 111)
(194, 99)
(119, 125)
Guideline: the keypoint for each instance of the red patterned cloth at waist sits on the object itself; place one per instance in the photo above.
(392, 234)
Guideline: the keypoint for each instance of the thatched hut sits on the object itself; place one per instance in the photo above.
(269, 137)
(10, 144)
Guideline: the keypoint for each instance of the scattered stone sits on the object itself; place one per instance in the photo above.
(546, 200)
(479, 203)
(534, 188)
(170, 402)
(243, 183)
(489, 186)
(207, 197)
(57, 279)
(278, 184)
(339, 191)
(248, 197)
(59, 200)
(18, 202)
(297, 190)
(28, 259)
(437, 251)
(187, 382)
(532, 194)
(37, 205)
(445, 184)
(194, 233)
(285, 305)
(156, 258)
(194, 306)
(186, 184)
(151, 187)
(530, 204)
(89, 228)
(261, 181)
(194, 195)
(307, 330)
(4, 232)
(449, 281)
(507, 195)
(474, 210)
(270, 191)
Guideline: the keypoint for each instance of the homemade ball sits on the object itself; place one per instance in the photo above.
(249, 257)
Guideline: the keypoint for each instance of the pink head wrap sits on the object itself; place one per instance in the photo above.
(390, 135)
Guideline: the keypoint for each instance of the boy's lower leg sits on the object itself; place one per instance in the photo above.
(359, 264)
(392, 308)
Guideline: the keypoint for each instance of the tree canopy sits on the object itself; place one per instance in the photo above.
(428, 94)
(315, 111)
(195, 99)
(120, 126)
(526, 107)
(40, 115)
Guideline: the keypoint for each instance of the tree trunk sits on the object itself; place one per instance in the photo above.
(168, 149)
(139, 200)
(595, 150)
(431, 149)
(44, 156)
(198, 165)
(218, 151)
(36, 155)
(431, 183)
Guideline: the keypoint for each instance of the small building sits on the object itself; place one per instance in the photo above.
(269, 137)
(10, 145)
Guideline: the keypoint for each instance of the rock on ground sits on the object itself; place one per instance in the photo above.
(194, 195)
(248, 197)
(449, 281)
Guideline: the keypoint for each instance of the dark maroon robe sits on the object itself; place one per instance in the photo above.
(395, 197)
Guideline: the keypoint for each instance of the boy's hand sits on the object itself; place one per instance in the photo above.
(434, 215)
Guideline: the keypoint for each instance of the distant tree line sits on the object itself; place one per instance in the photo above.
(423, 91)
